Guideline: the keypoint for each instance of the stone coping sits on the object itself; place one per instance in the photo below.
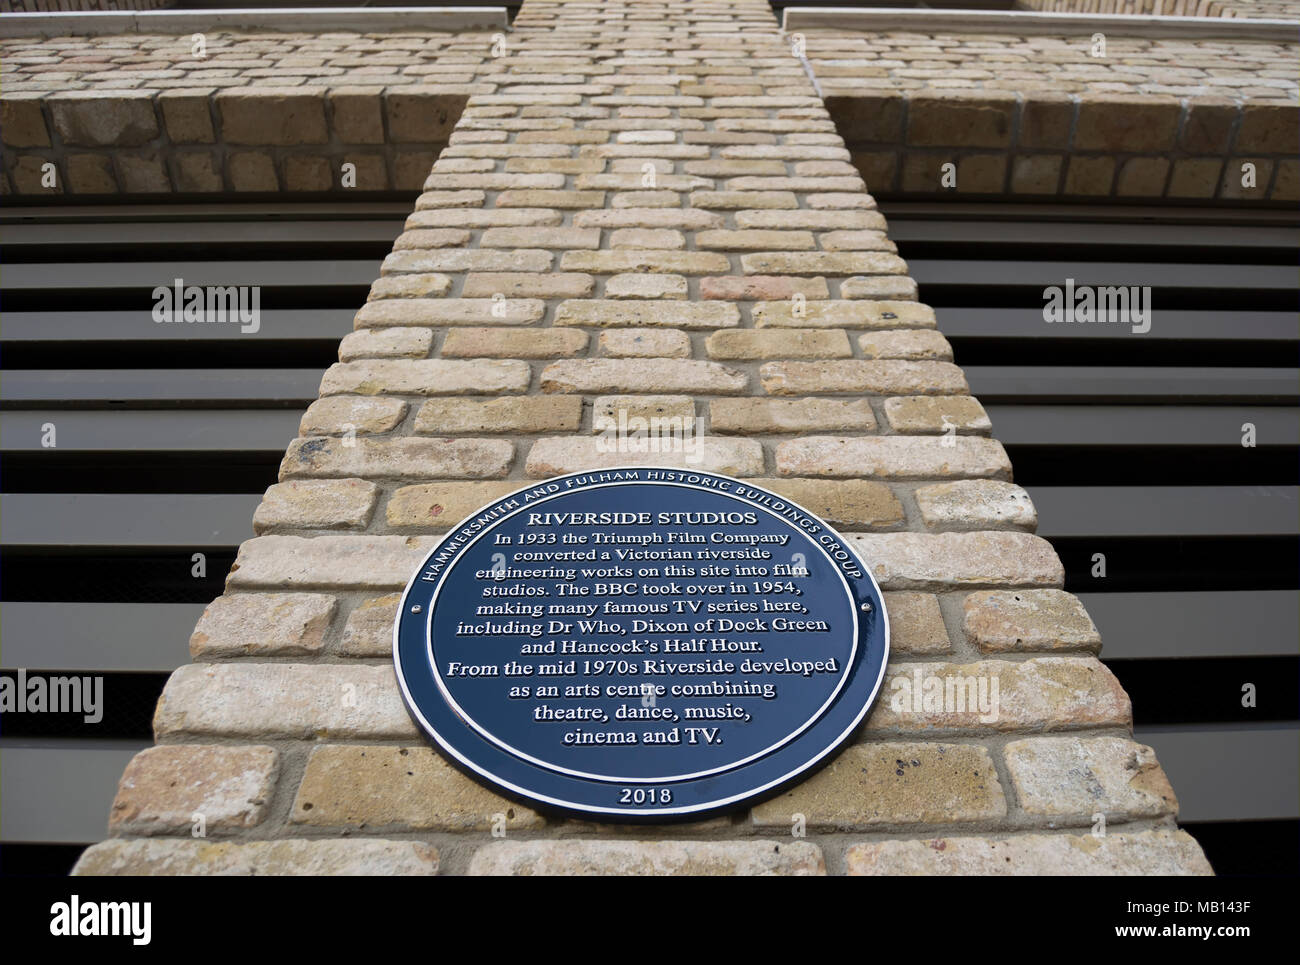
(303, 19)
(1022, 22)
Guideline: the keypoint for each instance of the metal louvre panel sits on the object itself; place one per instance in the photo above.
(1131, 447)
(166, 437)
(1127, 443)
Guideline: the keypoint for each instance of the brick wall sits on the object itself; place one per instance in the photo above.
(1042, 116)
(288, 733)
(1032, 117)
(269, 112)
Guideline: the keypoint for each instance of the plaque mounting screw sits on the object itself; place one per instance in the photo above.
(867, 607)
(417, 608)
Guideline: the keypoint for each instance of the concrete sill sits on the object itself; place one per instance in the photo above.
(1021, 22)
(298, 20)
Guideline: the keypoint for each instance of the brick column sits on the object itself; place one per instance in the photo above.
(651, 214)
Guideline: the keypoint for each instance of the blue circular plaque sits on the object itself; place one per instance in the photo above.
(641, 643)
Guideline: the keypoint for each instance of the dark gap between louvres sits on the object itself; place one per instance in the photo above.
(38, 859)
(1249, 847)
(1207, 690)
(237, 351)
(129, 299)
(1108, 252)
(42, 574)
(51, 471)
(1054, 349)
(1155, 563)
(127, 705)
(216, 251)
(941, 295)
(1153, 465)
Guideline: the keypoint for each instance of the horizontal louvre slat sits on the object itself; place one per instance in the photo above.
(1166, 510)
(108, 276)
(1052, 383)
(149, 431)
(1118, 217)
(1041, 274)
(244, 387)
(1028, 323)
(1174, 625)
(1155, 465)
(1230, 772)
(206, 232)
(125, 519)
(203, 213)
(98, 636)
(1058, 233)
(1142, 425)
(140, 326)
(60, 792)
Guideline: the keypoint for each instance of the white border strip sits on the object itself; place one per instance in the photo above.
(297, 19)
(1021, 22)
